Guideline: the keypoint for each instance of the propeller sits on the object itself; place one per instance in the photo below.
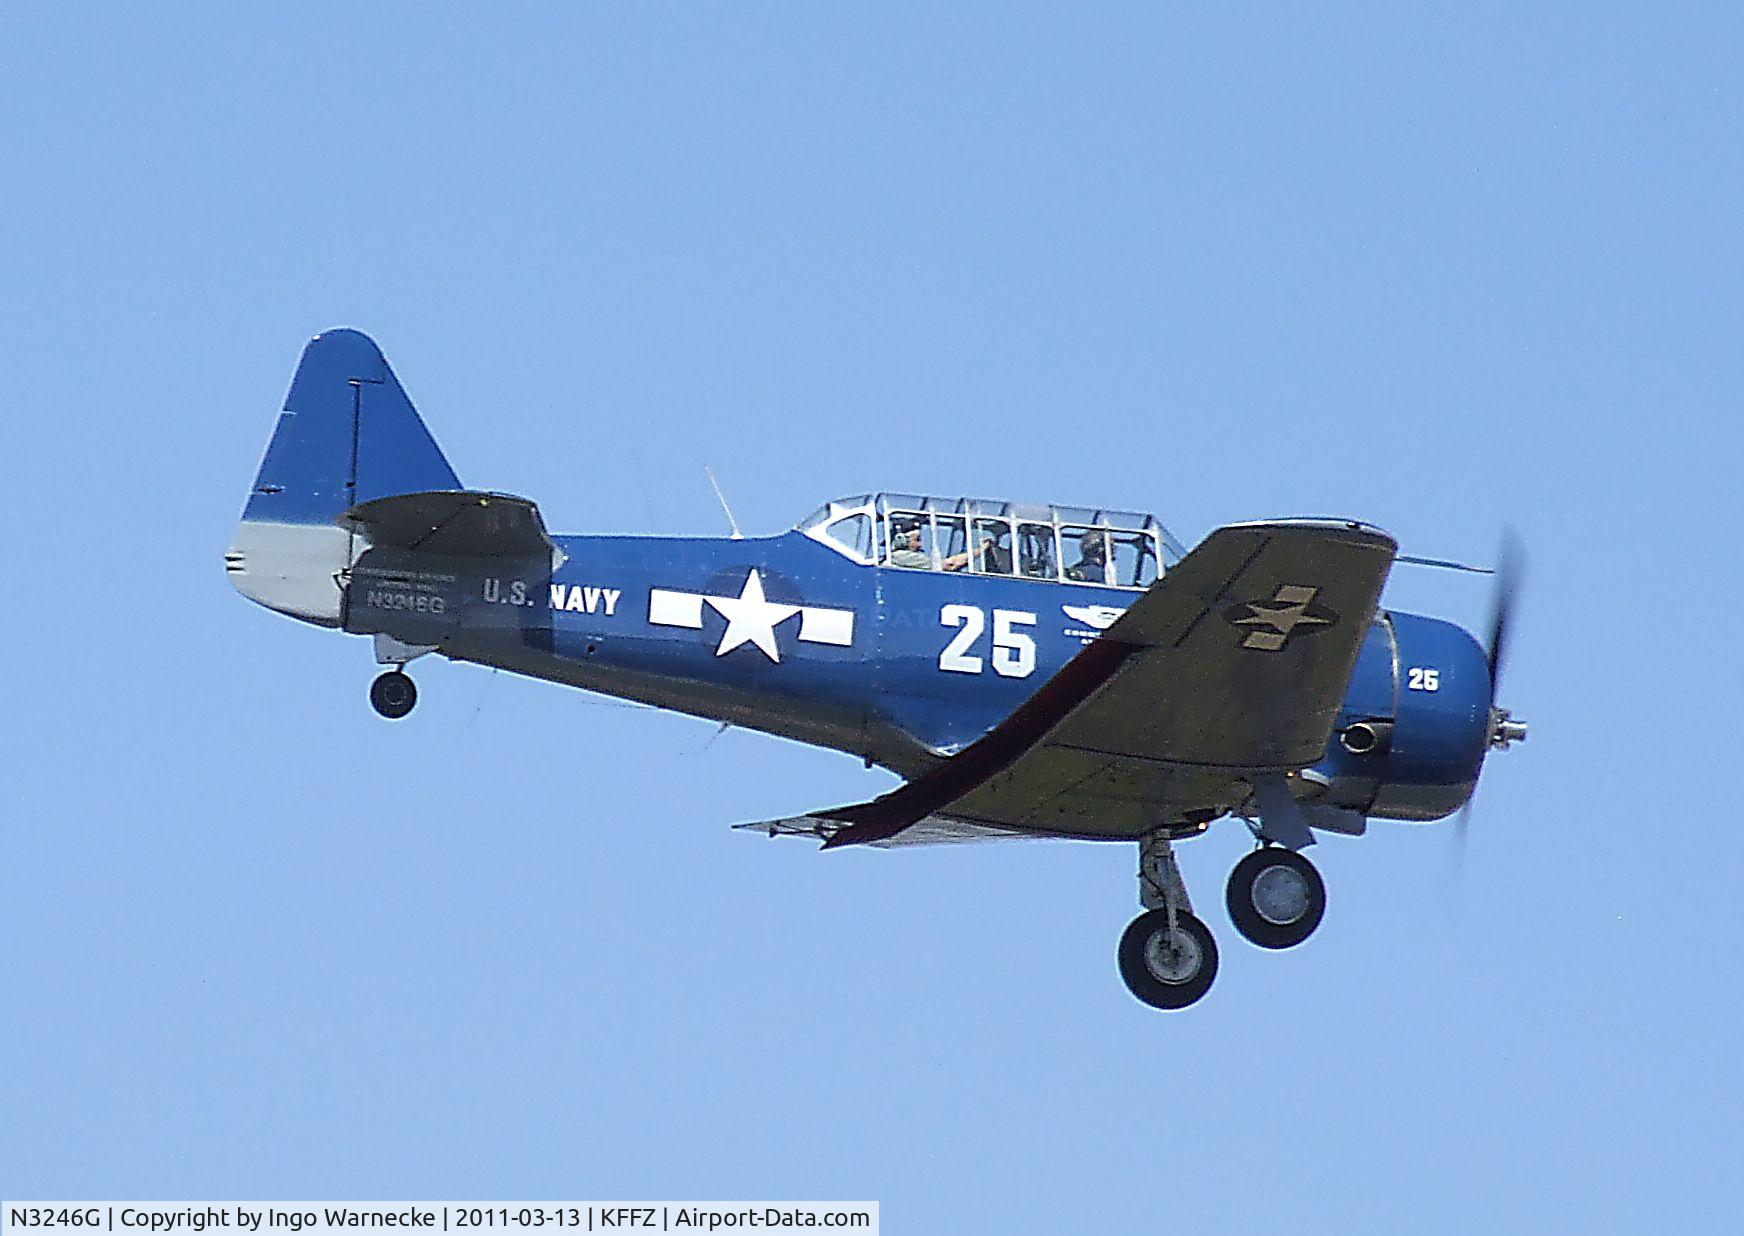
(1510, 564)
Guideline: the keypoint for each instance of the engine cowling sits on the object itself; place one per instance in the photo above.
(1412, 732)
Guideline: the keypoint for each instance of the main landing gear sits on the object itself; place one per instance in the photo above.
(393, 694)
(1168, 957)
(1167, 965)
(1275, 897)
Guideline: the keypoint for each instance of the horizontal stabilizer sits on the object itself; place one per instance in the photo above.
(453, 523)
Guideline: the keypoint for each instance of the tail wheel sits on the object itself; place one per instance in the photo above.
(1276, 898)
(1167, 969)
(393, 694)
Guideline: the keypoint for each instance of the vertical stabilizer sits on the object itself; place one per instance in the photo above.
(348, 434)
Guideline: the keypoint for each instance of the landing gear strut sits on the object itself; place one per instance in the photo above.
(393, 694)
(1275, 897)
(1167, 957)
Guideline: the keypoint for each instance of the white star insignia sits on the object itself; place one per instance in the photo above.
(750, 618)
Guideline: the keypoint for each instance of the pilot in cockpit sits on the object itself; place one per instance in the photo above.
(1092, 567)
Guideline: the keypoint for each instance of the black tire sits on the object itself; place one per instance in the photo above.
(393, 695)
(1148, 975)
(1280, 916)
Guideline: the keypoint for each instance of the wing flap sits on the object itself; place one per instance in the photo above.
(929, 830)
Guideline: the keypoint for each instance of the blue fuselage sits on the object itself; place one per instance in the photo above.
(901, 667)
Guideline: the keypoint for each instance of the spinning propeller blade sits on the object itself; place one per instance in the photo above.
(1510, 563)
(1508, 567)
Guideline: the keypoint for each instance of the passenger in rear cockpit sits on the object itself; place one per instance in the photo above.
(906, 552)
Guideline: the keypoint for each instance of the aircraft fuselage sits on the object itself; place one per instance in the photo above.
(778, 634)
(900, 667)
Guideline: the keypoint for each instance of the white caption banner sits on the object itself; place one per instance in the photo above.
(470, 1218)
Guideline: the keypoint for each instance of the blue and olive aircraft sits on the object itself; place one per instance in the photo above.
(1030, 670)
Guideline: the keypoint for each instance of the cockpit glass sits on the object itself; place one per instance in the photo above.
(1035, 551)
(1135, 560)
(992, 548)
(854, 534)
(952, 542)
(1097, 547)
(1085, 553)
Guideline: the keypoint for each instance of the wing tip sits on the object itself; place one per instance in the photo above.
(1355, 529)
(793, 826)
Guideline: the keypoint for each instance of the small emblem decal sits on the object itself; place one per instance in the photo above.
(1271, 623)
(751, 618)
(1099, 616)
(1089, 621)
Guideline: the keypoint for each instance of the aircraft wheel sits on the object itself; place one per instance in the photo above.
(393, 694)
(1276, 899)
(1164, 971)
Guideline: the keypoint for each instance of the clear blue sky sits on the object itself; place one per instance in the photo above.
(1435, 267)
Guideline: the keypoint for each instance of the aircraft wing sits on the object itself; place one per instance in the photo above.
(1232, 665)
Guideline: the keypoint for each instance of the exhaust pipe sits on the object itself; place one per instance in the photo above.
(1367, 737)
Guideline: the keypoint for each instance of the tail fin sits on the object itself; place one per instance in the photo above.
(347, 435)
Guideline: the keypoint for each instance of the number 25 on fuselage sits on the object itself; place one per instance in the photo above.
(1032, 670)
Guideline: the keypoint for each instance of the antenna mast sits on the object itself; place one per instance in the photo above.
(737, 535)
